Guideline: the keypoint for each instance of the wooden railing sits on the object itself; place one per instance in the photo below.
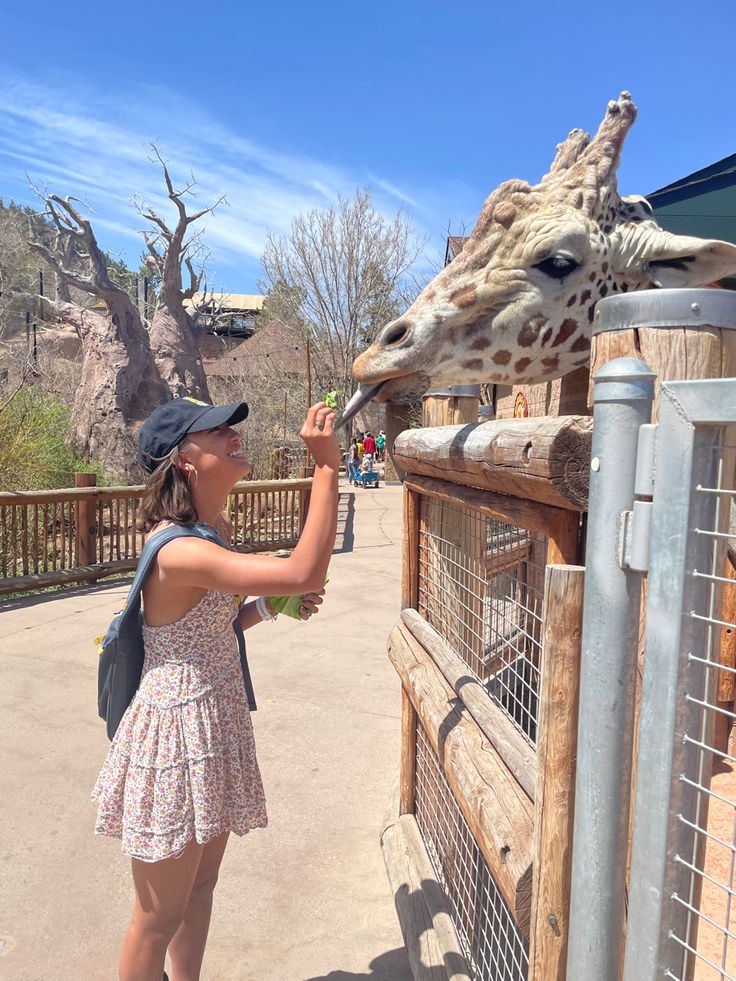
(84, 533)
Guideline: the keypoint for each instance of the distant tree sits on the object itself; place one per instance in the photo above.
(172, 329)
(338, 277)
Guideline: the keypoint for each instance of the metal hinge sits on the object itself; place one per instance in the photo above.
(635, 525)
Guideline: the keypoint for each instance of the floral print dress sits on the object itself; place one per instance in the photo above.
(182, 765)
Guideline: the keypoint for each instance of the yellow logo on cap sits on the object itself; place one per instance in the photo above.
(188, 398)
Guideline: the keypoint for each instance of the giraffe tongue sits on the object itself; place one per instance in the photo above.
(362, 397)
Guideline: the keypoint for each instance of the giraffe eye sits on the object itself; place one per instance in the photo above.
(558, 266)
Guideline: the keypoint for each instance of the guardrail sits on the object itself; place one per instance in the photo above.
(84, 533)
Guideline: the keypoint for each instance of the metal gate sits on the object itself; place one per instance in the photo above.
(682, 915)
(661, 503)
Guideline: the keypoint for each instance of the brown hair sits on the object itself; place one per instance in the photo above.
(167, 496)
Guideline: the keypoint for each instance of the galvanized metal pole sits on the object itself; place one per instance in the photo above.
(623, 394)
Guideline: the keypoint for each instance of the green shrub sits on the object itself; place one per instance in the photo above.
(34, 454)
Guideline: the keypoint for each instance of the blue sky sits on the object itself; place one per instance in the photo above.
(283, 105)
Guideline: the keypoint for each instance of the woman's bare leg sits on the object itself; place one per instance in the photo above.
(162, 892)
(187, 947)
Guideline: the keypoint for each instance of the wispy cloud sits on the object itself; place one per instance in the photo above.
(97, 147)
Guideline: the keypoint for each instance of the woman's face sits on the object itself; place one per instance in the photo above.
(217, 451)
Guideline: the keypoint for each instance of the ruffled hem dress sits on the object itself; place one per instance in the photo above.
(182, 765)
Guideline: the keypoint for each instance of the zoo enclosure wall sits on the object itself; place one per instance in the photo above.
(485, 627)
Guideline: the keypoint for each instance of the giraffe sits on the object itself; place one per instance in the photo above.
(516, 305)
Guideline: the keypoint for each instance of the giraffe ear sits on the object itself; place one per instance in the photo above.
(671, 260)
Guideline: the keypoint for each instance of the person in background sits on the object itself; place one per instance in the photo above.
(369, 444)
(359, 443)
(380, 446)
(353, 460)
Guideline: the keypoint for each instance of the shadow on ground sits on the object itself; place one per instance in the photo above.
(391, 966)
(345, 536)
(62, 592)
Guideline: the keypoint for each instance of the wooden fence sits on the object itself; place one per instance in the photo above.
(83, 533)
(478, 844)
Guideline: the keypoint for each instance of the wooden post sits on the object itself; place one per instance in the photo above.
(410, 546)
(555, 789)
(726, 679)
(304, 497)
(407, 776)
(397, 420)
(450, 410)
(690, 348)
(309, 389)
(86, 521)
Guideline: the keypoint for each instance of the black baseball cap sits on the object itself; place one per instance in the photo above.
(167, 426)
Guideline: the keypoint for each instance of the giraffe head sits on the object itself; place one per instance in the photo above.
(517, 304)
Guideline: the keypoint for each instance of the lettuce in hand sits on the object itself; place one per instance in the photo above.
(290, 605)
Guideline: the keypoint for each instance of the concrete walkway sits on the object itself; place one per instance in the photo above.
(305, 900)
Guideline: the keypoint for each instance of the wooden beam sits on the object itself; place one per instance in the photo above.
(410, 548)
(60, 577)
(500, 731)
(532, 515)
(497, 810)
(424, 916)
(544, 459)
(407, 774)
(556, 757)
(136, 490)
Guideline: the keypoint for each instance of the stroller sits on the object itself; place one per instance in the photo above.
(365, 475)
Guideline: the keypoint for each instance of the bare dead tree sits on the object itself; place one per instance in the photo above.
(120, 385)
(338, 277)
(172, 329)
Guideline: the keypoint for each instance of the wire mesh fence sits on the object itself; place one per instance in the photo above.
(493, 945)
(481, 586)
(703, 828)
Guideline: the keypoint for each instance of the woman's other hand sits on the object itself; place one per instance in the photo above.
(319, 435)
(310, 604)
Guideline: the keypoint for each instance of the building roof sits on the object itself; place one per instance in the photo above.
(227, 302)
(702, 203)
(454, 246)
(273, 342)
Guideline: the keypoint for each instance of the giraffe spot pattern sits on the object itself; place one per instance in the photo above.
(529, 333)
(567, 329)
(522, 364)
(502, 357)
(475, 364)
(582, 343)
(465, 297)
(584, 296)
(572, 300)
(480, 344)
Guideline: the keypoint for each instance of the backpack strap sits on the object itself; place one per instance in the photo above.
(150, 550)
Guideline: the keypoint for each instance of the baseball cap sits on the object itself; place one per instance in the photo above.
(167, 426)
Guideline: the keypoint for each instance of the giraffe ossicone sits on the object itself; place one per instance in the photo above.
(517, 304)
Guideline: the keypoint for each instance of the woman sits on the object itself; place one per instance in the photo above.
(181, 773)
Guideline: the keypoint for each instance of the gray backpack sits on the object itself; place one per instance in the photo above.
(121, 650)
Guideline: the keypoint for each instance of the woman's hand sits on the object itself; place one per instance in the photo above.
(318, 434)
(310, 604)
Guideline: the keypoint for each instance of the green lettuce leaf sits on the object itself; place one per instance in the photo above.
(289, 605)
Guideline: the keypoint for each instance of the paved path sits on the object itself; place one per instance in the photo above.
(305, 900)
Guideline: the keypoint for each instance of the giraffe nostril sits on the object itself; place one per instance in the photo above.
(395, 334)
